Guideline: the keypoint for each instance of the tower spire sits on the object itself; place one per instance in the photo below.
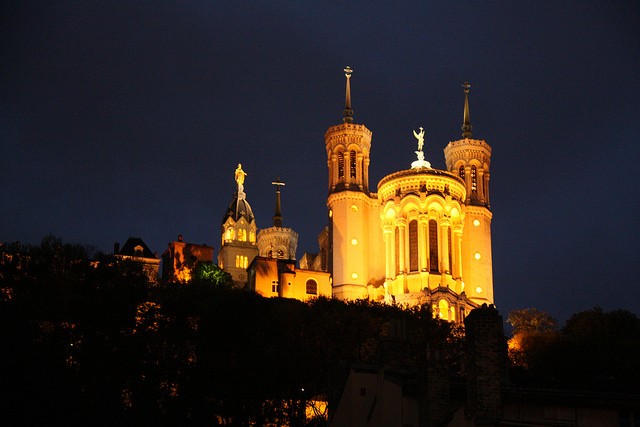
(348, 111)
(466, 125)
(277, 217)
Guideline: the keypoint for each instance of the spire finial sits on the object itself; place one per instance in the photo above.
(277, 217)
(348, 112)
(466, 123)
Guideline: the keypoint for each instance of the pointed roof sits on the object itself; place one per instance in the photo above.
(277, 217)
(466, 121)
(239, 208)
(348, 111)
(129, 248)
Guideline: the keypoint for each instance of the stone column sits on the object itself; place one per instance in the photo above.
(402, 227)
(444, 245)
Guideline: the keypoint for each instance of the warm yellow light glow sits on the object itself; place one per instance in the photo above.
(476, 222)
(330, 213)
(477, 255)
(354, 275)
(354, 208)
(478, 290)
(354, 242)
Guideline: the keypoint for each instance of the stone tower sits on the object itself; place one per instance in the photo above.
(238, 234)
(470, 159)
(278, 241)
(353, 212)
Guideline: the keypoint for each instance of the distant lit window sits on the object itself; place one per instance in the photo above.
(461, 172)
(229, 234)
(241, 261)
(242, 235)
(252, 236)
(340, 165)
(280, 253)
(352, 164)
(474, 179)
(275, 287)
(312, 287)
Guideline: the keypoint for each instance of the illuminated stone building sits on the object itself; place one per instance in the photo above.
(136, 249)
(273, 272)
(424, 237)
(238, 234)
(180, 258)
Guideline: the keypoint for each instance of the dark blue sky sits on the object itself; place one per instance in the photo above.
(123, 119)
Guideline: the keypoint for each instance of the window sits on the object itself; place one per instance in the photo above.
(312, 287)
(433, 246)
(280, 253)
(413, 245)
(461, 172)
(241, 261)
(275, 287)
(242, 235)
(252, 236)
(352, 163)
(443, 308)
(229, 234)
(340, 165)
(474, 179)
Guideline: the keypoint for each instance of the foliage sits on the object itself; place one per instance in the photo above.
(90, 342)
(529, 320)
(594, 350)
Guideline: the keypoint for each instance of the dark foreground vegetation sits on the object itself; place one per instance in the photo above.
(88, 341)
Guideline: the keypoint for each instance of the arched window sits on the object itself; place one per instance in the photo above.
(280, 253)
(433, 246)
(242, 235)
(252, 236)
(340, 165)
(413, 245)
(241, 261)
(443, 308)
(312, 287)
(229, 234)
(474, 179)
(461, 172)
(352, 164)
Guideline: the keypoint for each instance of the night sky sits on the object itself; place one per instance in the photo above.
(123, 119)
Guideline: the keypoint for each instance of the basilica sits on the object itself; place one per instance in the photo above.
(420, 236)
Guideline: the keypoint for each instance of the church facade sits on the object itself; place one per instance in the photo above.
(422, 237)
